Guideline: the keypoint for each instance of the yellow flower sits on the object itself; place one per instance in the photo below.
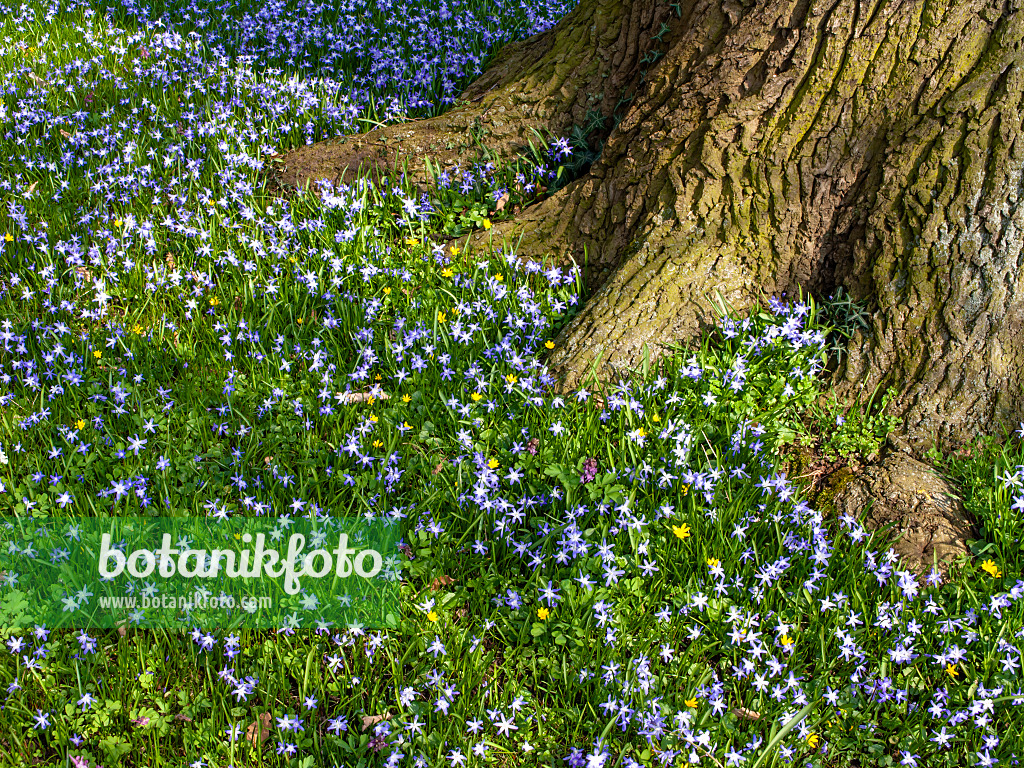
(118, 222)
(812, 740)
(487, 223)
(97, 353)
(370, 401)
(686, 489)
(137, 330)
(477, 397)
(447, 272)
(549, 344)
(543, 613)
(378, 444)
(499, 277)
(655, 418)
(406, 399)
(952, 671)
(493, 463)
(786, 640)
(990, 568)
(642, 432)
(80, 424)
(455, 250)
(405, 425)
(214, 301)
(411, 241)
(8, 237)
(432, 616)
(292, 260)
(511, 378)
(299, 321)
(387, 291)
(691, 703)
(373, 419)
(712, 561)
(441, 317)
(681, 531)
(377, 377)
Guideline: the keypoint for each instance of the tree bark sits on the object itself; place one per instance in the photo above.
(875, 146)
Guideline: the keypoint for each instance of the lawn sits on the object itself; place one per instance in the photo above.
(618, 576)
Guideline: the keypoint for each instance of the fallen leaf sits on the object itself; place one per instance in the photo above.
(362, 397)
(65, 134)
(259, 730)
(369, 720)
(502, 202)
(441, 581)
(749, 714)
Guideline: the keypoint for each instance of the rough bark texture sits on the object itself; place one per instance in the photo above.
(873, 145)
(549, 82)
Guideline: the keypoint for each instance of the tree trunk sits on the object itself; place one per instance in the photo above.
(817, 144)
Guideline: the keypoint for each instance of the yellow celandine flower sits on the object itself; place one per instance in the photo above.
(786, 640)
(477, 397)
(387, 291)
(137, 329)
(543, 613)
(447, 272)
(406, 399)
(432, 616)
(377, 377)
(681, 531)
(952, 671)
(118, 222)
(991, 569)
(455, 250)
(80, 424)
(812, 740)
(499, 277)
(493, 463)
(411, 241)
(214, 301)
(373, 419)
(8, 237)
(712, 562)
(691, 703)
(441, 317)
(511, 378)
(686, 489)
(405, 425)
(378, 444)
(97, 353)
(487, 223)
(656, 418)
(299, 321)
(370, 401)
(549, 344)
(641, 432)
(292, 260)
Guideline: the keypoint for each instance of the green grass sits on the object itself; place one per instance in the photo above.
(225, 327)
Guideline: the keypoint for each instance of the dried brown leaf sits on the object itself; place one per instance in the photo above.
(259, 730)
(369, 720)
(362, 397)
(749, 714)
(441, 581)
